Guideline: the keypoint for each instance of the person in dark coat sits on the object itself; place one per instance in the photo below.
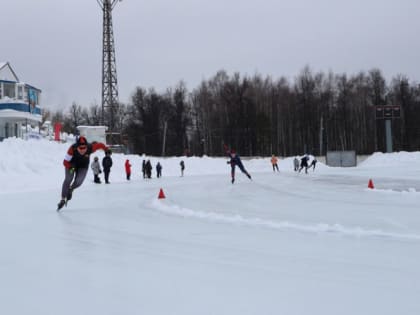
(158, 170)
(304, 163)
(106, 165)
(313, 164)
(76, 165)
(148, 169)
(143, 168)
(234, 161)
(182, 165)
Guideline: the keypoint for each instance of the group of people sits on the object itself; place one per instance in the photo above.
(76, 163)
(147, 169)
(303, 164)
(297, 164)
(106, 165)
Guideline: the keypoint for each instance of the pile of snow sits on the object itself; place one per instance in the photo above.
(395, 159)
(24, 164)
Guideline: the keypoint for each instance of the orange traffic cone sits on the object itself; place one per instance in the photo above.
(370, 184)
(161, 194)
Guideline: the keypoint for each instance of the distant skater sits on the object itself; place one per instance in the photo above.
(296, 164)
(274, 163)
(182, 164)
(234, 161)
(313, 164)
(304, 163)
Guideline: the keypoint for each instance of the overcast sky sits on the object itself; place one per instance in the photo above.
(57, 45)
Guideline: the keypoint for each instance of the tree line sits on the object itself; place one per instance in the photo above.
(260, 116)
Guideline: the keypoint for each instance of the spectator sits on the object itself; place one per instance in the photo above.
(106, 165)
(148, 169)
(96, 168)
(158, 170)
(128, 169)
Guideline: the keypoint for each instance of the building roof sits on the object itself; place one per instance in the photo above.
(7, 73)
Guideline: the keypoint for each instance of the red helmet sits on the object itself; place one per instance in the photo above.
(81, 140)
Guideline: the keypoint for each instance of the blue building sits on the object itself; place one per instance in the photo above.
(19, 104)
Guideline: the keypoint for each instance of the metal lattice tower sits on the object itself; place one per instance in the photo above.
(109, 66)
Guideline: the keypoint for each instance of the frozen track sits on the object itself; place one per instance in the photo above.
(279, 244)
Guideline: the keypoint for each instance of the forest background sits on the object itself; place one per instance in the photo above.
(260, 116)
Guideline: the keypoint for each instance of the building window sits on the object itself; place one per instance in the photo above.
(20, 92)
(9, 90)
(25, 95)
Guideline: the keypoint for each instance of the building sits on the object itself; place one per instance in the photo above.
(19, 104)
(93, 133)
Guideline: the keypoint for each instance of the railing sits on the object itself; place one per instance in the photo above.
(20, 107)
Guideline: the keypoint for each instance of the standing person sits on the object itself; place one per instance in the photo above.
(274, 163)
(127, 169)
(182, 164)
(304, 163)
(158, 170)
(76, 165)
(313, 164)
(106, 165)
(148, 169)
(96, 168)
(296, 164)
(143, 168)
(234, 161)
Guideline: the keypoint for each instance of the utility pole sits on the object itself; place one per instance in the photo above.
(388, 113)
(109, 66)
(321, 133)
(165, 127)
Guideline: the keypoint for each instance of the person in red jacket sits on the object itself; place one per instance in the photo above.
(76, 165)
(128, 169)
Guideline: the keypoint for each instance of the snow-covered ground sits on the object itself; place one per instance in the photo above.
(283, 243)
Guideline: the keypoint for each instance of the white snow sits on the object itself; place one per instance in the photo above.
(283, 243)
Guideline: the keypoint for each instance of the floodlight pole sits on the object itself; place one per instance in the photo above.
(109, 66)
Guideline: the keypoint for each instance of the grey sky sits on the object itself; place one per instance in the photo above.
(57, 45)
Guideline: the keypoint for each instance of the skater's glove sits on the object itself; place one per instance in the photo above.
(71, 170)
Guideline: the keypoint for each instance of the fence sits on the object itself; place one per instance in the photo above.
(341, 158)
